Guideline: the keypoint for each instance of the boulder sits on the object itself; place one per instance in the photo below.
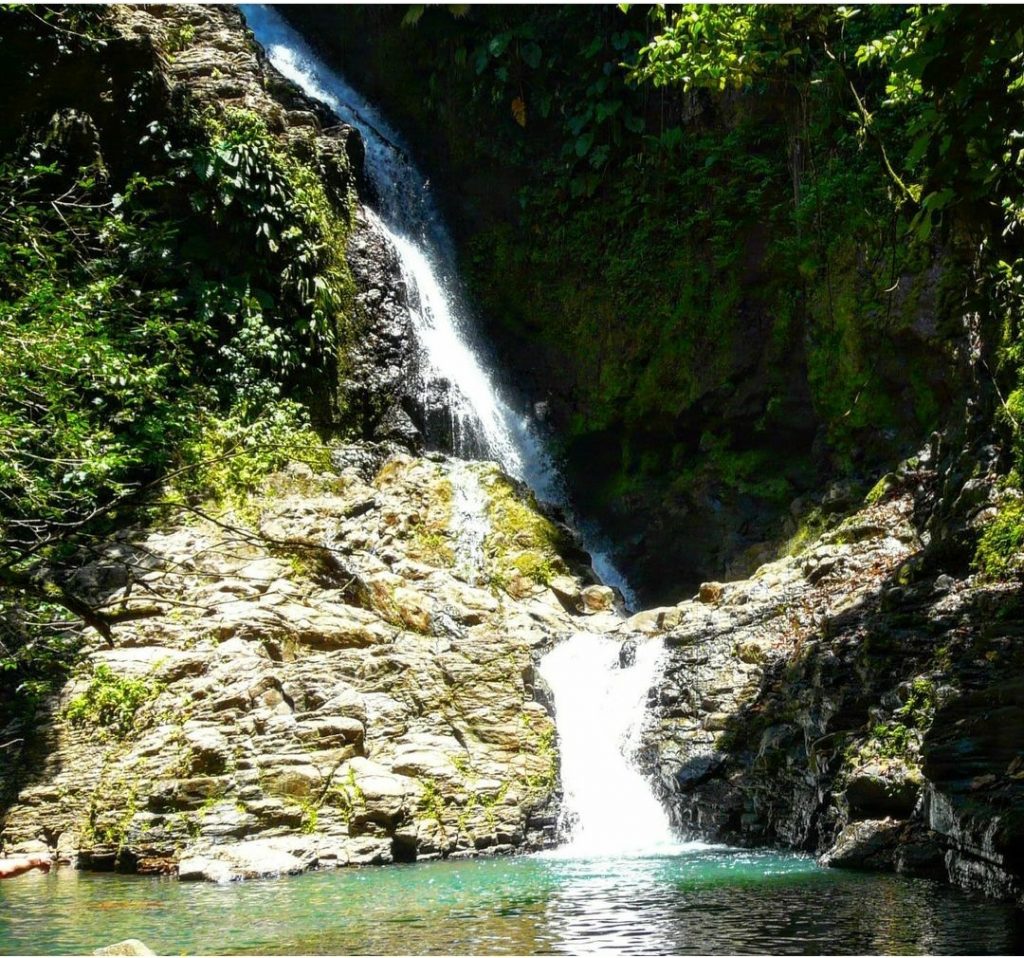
(882, 790)
(130, 946)
(258, 858)
(596, 598)
(868, 845)
(710, 592)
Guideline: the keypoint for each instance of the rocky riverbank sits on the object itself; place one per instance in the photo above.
(859, 699)
(319, 681)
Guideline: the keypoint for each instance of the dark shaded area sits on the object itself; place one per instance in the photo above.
(924, 670)
(703, 354)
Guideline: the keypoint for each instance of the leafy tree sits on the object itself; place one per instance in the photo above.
(168, 283)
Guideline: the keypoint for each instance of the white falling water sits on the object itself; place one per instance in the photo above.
(408, 215)
(609, 808)
(469, 520)
(599, 705)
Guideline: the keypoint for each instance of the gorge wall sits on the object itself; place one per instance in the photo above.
(720, 313)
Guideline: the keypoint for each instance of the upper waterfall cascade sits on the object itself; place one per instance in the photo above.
(483, 421)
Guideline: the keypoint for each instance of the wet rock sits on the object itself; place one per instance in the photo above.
(867, 844)
(838, 701)
(130, 946)
(841, 496)
(205, 869)
(975, 795)
(597, 598)
(627, 654)
(921, 856)
(567, 589)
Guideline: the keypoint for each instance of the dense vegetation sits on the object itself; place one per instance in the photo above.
(171, 278)
(753, 234)
(754, 247)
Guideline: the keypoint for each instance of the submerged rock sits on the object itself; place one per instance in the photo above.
(266, 858)
(130, 946)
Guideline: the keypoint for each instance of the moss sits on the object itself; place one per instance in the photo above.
(111, 701)
(811, 525)
(1000, 550)
(535, 566)
(521, 542)
(431, 803)
(880, 490)
(432, 546)
(346, 796)
(490, 802)
(431, 537)
(540, 741)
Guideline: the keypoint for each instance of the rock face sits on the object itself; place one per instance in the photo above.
(974, 759)
(857, 699)
(327, 675)
(375, 395)
(331, 691)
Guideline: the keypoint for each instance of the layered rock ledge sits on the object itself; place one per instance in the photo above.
(325, 684)
(860, 699)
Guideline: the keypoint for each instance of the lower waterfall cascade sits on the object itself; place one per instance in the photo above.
(600, 688)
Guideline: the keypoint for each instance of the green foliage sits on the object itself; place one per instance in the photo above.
(726, 46)
(181, 37)
(668, 223)
(110, 701)
(899, 738)
(1000, 550)
(310, 817)
(228, 459)
(431, 803)
(347, 796)
(541, 742)
(169, 285)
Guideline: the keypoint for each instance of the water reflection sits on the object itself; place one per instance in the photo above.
(704, 901)
(614, 904)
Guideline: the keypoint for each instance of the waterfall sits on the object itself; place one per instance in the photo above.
(469, 521)
(483, 421)
(609, 808)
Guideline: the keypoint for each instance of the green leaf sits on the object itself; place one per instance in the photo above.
(499, 44)
(634, 123)
(531, 54)
(413, 15)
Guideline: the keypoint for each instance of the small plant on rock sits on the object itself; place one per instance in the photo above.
(111, 701)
